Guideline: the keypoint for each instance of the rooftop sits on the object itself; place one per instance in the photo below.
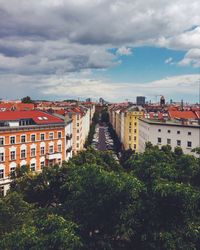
(39, 117)
(171, 122)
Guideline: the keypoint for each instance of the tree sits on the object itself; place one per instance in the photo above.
(26, 99)
(92, 202)
(103, 203)
(104, 115)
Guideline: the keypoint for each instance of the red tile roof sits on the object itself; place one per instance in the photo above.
(182, 114)
(39, 117)
(17, 106)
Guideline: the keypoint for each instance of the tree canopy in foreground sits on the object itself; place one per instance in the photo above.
(150, 201)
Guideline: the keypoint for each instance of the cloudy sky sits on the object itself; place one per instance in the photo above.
(116, 49)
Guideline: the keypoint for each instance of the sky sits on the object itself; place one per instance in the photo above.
(115, 49)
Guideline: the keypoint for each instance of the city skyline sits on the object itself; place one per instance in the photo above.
(118, 50)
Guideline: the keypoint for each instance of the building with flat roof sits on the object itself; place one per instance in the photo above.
(184, 134)
(140, 100)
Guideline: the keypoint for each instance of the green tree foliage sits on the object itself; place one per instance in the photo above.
(26, 99)
(95, 120)
(104, 115)
(150, 202)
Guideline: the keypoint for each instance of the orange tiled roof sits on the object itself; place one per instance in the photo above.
(182, 114)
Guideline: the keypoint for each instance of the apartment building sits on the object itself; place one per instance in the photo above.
(124, 120)
(184, 134)
(33, 138)
(131, 127)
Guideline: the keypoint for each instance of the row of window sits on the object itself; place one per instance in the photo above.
(32, 138)
(32, 168)
(178, 132)
(130, 124)
(12, 169)
(178, 142)
(32, 152)
(134, 138)
(135, 130)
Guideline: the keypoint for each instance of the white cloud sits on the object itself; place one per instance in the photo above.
(192, 57)
(168, 60)
(124, 51)
(40, 41)
(184, 86)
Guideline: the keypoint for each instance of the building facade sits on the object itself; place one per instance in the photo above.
(184, 135)
(33, 138)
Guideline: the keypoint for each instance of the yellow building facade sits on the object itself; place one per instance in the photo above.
(131, 129)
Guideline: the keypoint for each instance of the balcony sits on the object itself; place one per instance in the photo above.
(53, 156)
(68, 137)
(69, 150)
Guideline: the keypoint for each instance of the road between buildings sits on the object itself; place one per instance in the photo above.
(102, 139)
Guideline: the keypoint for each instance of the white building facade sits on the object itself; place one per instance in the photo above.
(175, 134)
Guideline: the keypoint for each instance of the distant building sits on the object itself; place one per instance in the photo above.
(140, 100)
(102, 101)
(88, 100)
(162, 101)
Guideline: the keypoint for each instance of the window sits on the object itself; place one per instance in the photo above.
(129, 138)
(189, 144)
(51, 149)
(59, 148)
(1, 157)
(77, 124)
(159, 130)
(32, 152)
(50, 135)
(12, 140)
(159, 140)
(134, 146)
(59, 162)
(135, 130)
(168, 141)
(23, 138)
(135, 138)
(32, 167)
(77, 137)
(178, 132)
(59, 135)
(42, 137)
(1, 141)
(42, 164)
(77, 130)
(42, 151)
(23, 154)
(1, 173)
(77, 145)
(189, 133)
(129, 130)
(178, 143)
(169, 131)
(12, 155)
(135, 123)
(12, 171)
(32, 137)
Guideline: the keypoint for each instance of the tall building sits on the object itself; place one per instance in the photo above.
(33, 138)
(162, 101)
(140, 100)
